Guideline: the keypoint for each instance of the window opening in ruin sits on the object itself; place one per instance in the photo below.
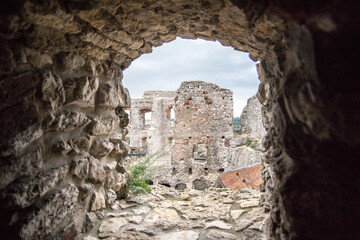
(147, 117)
(172, 114)
(200, 152)
(190, 171)
(221, 170)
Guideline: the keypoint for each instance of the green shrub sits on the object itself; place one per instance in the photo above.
(248, 141)
(141, 171)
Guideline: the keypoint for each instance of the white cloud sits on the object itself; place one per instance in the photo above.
(183, 60)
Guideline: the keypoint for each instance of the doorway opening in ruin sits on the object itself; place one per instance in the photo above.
(182, 60)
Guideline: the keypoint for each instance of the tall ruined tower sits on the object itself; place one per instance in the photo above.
(203, 129)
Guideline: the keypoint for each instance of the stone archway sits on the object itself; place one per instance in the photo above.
(62, 100)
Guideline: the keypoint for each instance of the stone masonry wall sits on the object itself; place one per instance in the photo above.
(247, 146)
(203, 131)
(251, 120)
(157, 134)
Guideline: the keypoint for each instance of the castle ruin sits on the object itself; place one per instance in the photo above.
(203, 130)
(156, 134)
(197, 145)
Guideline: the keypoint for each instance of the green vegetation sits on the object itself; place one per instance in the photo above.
(251, 143)
(248, 141)
(141, 172)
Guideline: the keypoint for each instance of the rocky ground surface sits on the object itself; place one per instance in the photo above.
(169, 214)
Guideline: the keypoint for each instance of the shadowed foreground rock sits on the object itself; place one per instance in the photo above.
(188, 214)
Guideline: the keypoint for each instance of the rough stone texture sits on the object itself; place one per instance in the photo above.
(24, 191)
(111, 225)
(308, 53)
(156, 135)
(247, 148)
(203, 131)
(164, 214)
(251, 120)
(51, 213)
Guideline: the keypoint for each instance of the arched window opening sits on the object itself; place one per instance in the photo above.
(172, 114)
(147, 117)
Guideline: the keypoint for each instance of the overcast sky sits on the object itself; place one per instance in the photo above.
(182, 60)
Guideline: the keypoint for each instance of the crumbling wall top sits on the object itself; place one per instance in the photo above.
(159, 94)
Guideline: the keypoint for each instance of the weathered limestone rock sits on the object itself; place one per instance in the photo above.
(46, 219)
(191, 235)
(61, 147)
(23, 139)
(110, 226)
(218, 224)
(66, 121)
(110, 197)
(235, 214)
(90, 238)
(100, 148)
(215, 235)
(91, 220)
(52, 90)
(158, 213)
(130, 235)
(135, 219)
(116, 180)
(26, 190)
(98, 201)
(242, 224)
(96, 172)
(112, 94)
(80, 168)
(104, 125)
(81, 91)
(13, 168)
(81, 145)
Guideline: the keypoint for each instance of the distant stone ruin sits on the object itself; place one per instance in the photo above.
(151, 136)
(197, 144)
(247, 147)
(203, 131)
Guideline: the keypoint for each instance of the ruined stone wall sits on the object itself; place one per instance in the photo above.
(308, 53)
(251, 120)
(155, 135)
(203, 131)
(247, 146)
